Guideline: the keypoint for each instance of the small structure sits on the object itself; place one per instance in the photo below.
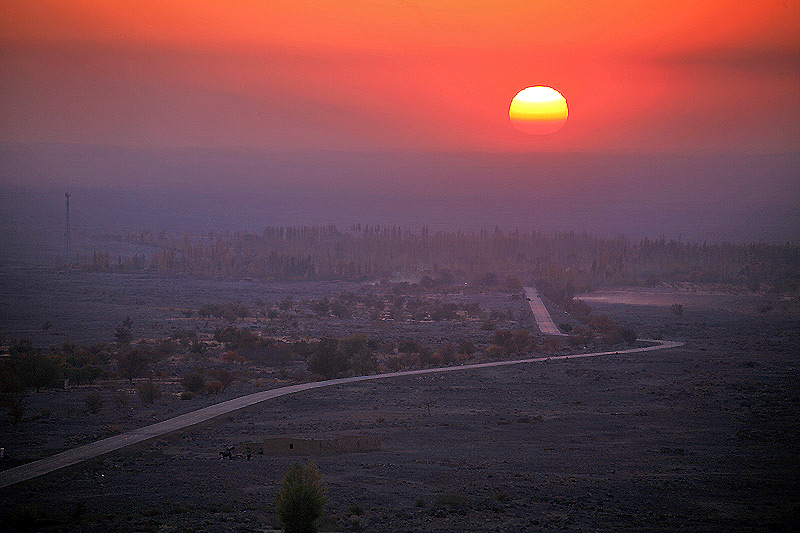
(297, 446)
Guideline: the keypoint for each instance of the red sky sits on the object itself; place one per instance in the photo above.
(659, 76)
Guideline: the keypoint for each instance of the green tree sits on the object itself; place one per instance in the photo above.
(132, 364)
(357, 351)
(327, 359)
(301, 499)
(123, 336)
(34, 368)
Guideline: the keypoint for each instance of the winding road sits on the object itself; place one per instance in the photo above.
(44, 466)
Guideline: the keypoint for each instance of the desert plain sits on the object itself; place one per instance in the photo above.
(704, 437)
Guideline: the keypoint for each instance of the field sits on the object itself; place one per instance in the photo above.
(699, 438)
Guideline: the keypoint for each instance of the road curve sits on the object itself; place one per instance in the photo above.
(540, 313)
(88, 451)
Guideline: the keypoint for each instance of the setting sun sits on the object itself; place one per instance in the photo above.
(538, 110)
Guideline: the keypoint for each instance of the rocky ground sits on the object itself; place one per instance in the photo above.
(700, 438)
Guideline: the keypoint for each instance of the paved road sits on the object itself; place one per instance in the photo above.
(540, 313)
(95, 449)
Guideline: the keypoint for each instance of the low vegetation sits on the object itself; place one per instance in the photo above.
(301, 499)
(263, 344)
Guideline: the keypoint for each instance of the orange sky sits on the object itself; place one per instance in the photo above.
(661, 76)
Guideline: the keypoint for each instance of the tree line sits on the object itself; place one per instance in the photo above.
(314, 253)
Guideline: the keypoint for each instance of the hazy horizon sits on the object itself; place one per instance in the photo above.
(736, 198)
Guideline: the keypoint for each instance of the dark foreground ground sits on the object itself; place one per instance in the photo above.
(700, 438)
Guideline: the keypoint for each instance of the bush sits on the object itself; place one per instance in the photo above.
(628, 335)
(327, 360)
(494, 351)
(120, 399)
(447, 352)
(123, 336)
(466, 347)
(132, 364)
(94, 402)
(16, 409)
(451, 501)
(214, 387)
(194, 382)
(34, 368)
(356, 510)
(512, 342)
(26, 518)
(301, 499)
(148, 391)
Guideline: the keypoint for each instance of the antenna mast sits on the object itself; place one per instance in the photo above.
(66, 228)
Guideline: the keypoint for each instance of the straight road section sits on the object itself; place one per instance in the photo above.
(540, 313)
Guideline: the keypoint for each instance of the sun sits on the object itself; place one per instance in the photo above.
(538, 110)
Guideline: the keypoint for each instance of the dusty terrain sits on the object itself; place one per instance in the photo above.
(700, 438)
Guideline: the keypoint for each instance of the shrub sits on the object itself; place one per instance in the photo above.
(222, 376)
(301, 499)
(512, 342)
(466, 347)
(194, 382)
(26, 518)
(676, 309)
(94, 402)
(132, 364)
(494, 351)
(452, 501)
(394, 363)
(16, 409)
(356, 510)
(120, 399)
(148, 391)
(233, 357)
(628, 335)
(78, 511)
(123, 336)
(409, 346)
(214, 387)
(327, 360)
(447, 352)
(35, 368)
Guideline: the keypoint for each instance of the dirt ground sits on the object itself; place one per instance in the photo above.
(700, 438)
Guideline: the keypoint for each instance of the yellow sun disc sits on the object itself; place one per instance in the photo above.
(538, 110)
